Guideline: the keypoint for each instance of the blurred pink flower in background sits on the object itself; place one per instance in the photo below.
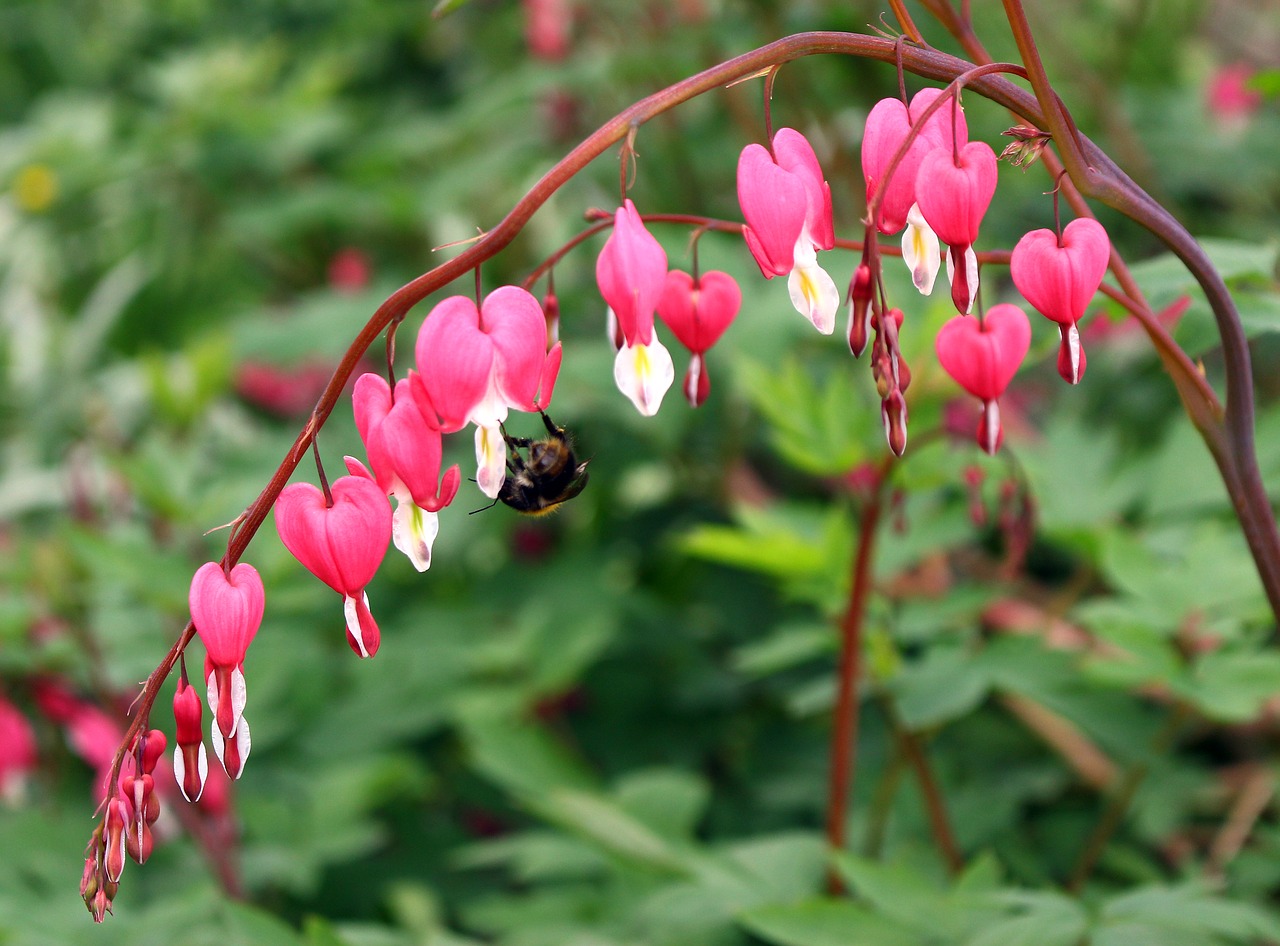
(349, 270)
(1228, 97)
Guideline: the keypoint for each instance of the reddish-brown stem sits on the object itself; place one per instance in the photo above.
(934, 805)
(844, 725)
(1230, 438)
(905, 23)
(1114, 812)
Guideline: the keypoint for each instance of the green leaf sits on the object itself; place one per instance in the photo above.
(806, 550)
(787, 647)
(1187, 911)
(820, 426)
(1234, 685)
(520, 756)
(1041, 918)
(609, 826)
(667, 800)
(827, 923)
(948, 683)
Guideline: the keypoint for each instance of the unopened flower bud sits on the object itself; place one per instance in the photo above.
(190, 761)
(113, 839)
(893, 413)
(89, 879)
(99, 906)
(139, 842)
(153, 744)
(859, 309)
(1026, 146)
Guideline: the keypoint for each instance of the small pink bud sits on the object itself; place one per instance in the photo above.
(153, 744)
(893, 413)
(113, 839)
(859, 309)
(140, 843)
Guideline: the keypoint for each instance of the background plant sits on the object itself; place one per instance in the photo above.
(641, 758)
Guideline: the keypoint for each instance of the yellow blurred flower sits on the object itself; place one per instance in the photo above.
(35, 187)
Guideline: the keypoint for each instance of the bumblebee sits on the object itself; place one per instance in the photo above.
(550, 476)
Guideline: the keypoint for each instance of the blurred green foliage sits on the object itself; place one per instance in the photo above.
(610, 728)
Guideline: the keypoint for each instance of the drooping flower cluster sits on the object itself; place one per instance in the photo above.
(477, 360)
(923, 173)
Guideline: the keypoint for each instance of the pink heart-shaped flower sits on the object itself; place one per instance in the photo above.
(887, 126)
(227, 610)
(794, 153)
(630, 272)
(1060, 280)
(937, 130)
(342, 544)
(699, 314)
(953, 193)
(983, 356)
(775, 204)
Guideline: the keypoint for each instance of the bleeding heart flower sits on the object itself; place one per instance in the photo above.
(405, 448)
(227, 611)
(477, 363)
(953, 192)
(631, 272)
(888, 125)
(1059, 277)
(983, 355)
(342, 544)
(787, 206)
(698, 312)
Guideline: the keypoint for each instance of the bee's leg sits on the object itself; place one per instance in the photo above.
(552, 429)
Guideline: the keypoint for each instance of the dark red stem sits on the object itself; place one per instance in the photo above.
(844, 724)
